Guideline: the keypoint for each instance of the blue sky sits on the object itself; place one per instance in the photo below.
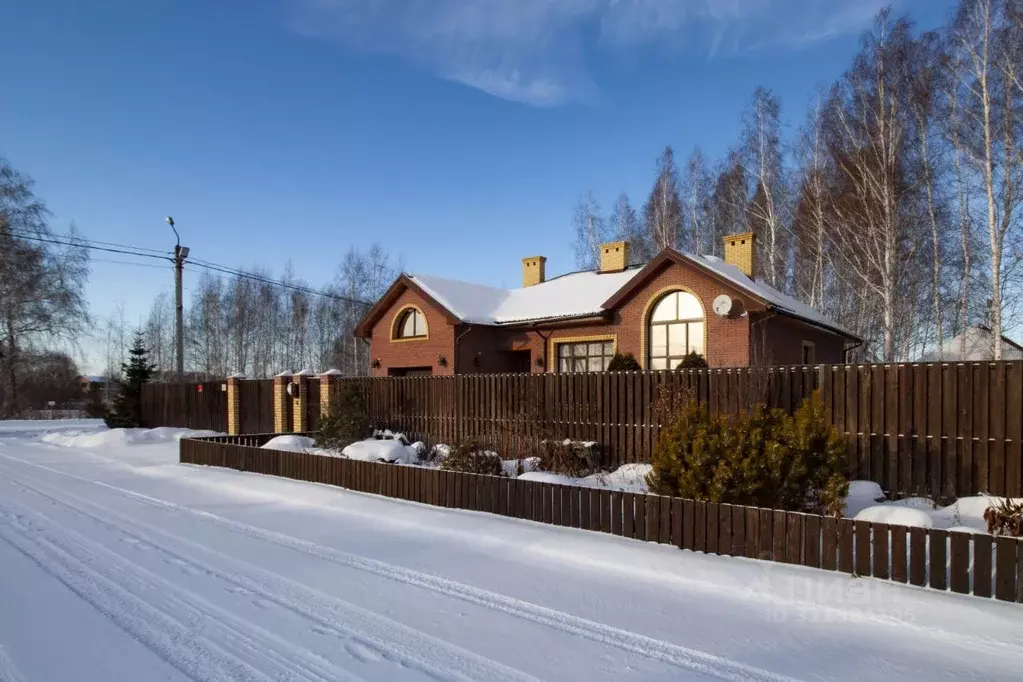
(457, 133)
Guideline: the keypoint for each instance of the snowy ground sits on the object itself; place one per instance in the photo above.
(120, 564)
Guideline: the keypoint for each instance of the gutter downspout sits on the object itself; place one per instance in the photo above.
(457, 340)
(546, 360)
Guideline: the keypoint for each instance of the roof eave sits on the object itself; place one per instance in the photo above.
(363, 330)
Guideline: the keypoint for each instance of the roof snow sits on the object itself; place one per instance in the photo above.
(573, 295)
(583, 293)
(764, 291)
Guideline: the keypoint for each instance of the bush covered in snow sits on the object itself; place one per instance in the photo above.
(348, 420)
(471, 458)
(568, 457)
(763, 458)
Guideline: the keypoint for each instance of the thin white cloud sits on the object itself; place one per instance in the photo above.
(535, 51)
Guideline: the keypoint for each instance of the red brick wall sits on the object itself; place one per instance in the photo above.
(418, 353)
(729, 342)
(782, 338)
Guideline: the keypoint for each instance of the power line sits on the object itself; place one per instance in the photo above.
(112, 247)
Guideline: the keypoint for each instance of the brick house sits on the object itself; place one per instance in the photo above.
(674, 304)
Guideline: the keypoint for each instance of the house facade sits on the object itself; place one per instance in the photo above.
(675, 304)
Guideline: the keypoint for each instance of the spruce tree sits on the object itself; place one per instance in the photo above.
(127, 408)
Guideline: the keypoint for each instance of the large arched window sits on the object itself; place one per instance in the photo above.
(676, 329)
(411, 324)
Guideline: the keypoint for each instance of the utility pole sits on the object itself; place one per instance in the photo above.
(180, 254)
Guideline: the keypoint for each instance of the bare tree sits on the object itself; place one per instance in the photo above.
(696, 202)
(762, 158)
(591, 230)
(662, 214)
(985, 36)
(868, 128)
(728, 201)
(42, 284)
(624, 224)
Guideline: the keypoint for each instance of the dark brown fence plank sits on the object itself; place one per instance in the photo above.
(780, 534)
(676, 521)
(862, 548)
(829, 543)
(628, 515)
(845, 546)
(664, 536)
(899, 549)
(879, 531)
(1005, 568)
(938, 540)
(982, 573)
(959, 562)
(811, 541)
(712, 520)
(653, 518)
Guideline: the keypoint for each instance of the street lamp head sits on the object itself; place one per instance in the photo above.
(170, 221)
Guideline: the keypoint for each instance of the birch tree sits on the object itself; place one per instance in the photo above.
(985, 36)
(696, 202)
(623, 224)
(762, 159)
(868, 128)
(591, 231)
(662, 214)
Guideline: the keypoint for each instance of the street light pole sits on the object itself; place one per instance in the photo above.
(180, 253)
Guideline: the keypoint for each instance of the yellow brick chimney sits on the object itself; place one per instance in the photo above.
(741, 251)
(614, 256)
(534, 270)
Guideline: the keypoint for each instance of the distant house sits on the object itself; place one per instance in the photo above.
(976, 343)
(88, 384)
(676, 304)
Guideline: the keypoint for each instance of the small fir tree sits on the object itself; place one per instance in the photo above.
(127, 408)
(693, 360)
(348, 420)
(623, 363)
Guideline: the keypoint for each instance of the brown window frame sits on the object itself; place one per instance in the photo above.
(809, 346)
(673, 361)
(607, 352)
(399, 326)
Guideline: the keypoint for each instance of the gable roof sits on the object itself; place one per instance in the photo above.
(976, 343)
(579, 294)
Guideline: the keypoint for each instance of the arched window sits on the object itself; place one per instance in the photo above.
(676, 329)
(411, 325)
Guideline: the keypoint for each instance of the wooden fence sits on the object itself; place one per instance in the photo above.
(965, 563)
(188, 405)
(944, 430)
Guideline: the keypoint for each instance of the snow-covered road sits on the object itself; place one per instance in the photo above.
(117, 563)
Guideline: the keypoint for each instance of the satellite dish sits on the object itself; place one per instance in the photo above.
(723, 305)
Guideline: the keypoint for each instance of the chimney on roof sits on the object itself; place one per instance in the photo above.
(741, 252)
(534, 270)
(614, 256)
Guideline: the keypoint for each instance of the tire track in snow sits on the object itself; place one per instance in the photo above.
(167, 637)
(395, 641)
(8, 671)
(244, 641)
(673, 654)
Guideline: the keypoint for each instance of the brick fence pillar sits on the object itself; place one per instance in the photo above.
(300, 393)
(282, 420)
(234, 414)
(328, 380)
